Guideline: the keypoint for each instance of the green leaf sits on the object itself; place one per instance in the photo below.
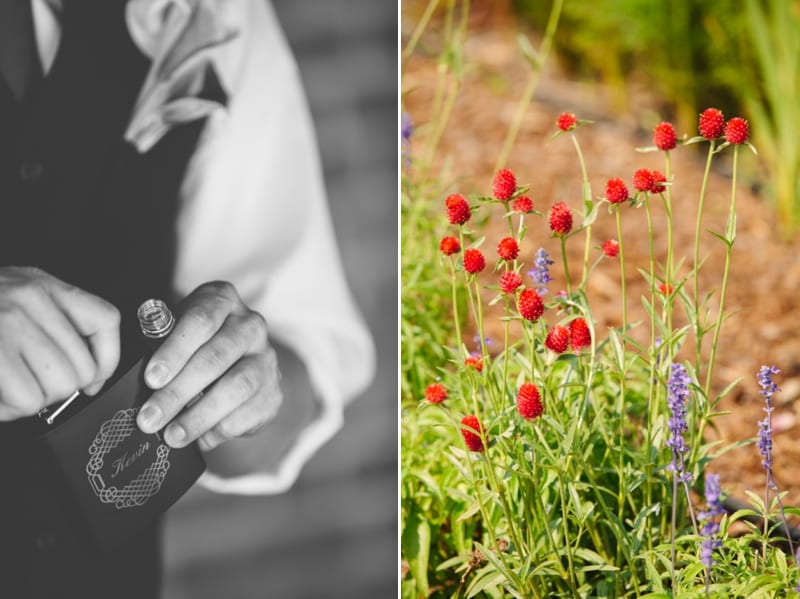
(416, 544)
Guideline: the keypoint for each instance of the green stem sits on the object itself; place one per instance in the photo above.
(533, 82)
(622, 374)
(670, 267)
(696, 289)
(420, 28)
(730, 237)
(587, 198)
(566, 264)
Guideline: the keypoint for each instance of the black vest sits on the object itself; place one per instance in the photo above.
(79, 202)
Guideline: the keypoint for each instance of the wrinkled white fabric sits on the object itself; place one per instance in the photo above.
(253, 204)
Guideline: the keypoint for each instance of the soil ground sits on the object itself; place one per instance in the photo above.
(765, 274)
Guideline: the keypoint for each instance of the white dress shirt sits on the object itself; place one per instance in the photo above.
(254, 212)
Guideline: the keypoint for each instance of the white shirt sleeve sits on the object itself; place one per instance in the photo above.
(255, 213)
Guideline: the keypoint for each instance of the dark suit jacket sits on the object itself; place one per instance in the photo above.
(79, 202)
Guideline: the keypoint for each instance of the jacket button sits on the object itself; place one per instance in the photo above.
(30, 172)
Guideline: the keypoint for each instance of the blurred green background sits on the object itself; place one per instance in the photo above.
(741, 56)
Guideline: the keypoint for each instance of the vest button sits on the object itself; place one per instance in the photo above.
(30, 172)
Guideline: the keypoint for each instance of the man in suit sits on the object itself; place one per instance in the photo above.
(156, 148)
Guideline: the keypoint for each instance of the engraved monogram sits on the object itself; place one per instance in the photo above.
(137, 491)
(122, 463)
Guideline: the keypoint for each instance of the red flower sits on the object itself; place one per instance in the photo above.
(658, 178)
(566, 121)
(616, 191)
(737, 130)
(523, 204)
(557, 339)
(580, 334)
(458, 211)
(471, 430)
(664, 136)
(449, 246)
(611, 248)
(711, 123)
(642, 180)
(474, 262)
(435, 393)
(474, 361)
(530, 304)
(509, 281)
(529, 401)
(508, 248)
(666, 289)
(560, 218)
(505, 184)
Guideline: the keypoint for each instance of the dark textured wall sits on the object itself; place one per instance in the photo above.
(335, 533)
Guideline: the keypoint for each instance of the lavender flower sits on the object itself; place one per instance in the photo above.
(678, 393)
(711, 527)
(406, 131)
(540, 273)
(764, 444)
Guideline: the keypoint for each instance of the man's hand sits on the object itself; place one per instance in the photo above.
(217, 341)
(54, 340)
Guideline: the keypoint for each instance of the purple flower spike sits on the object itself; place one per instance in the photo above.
(768, 389)
(540, 273)
(678, 393)
(711, 527)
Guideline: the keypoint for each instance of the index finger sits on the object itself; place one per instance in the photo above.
(94, 318)
(205, 312)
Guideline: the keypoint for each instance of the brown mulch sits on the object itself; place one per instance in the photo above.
(765, 274)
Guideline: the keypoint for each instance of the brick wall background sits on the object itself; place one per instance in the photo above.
(335, 533)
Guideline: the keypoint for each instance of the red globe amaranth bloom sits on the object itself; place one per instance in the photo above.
(509, 282)
(616, 191)
(523, 204)
(529, 401)
(642, 180)
(557, 339)
(737, 130)
(611, 248)
(474, 361)
(508, 248)
(435, 393)
(505, 184)
(567, 121)
(664, 136)
(530, 304)
(471, 430)
(560, 218)
(658, 178)
(458, 210)
(580, 334)
(711, 123)
(474, 262)
(666, 289)
(449, 246)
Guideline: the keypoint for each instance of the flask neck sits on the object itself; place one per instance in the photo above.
(155, 319)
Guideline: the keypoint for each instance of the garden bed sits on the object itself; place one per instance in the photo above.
(765, 276)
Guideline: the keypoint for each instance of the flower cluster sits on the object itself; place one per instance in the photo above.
(576, 335)
(710, 527)
(768, 389)
(540, 273)
(678, 393)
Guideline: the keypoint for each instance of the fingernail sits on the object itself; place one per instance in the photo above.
(148, 418)
(94, 388)
(174, 435)
(156, 375)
